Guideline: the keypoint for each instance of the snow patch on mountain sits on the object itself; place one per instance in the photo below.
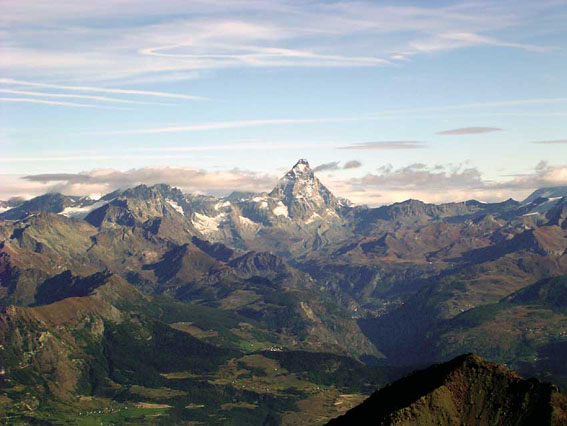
(95, 197)
(551, 192)
(244, 221)
(281, 210)
(176, 206)
(222, 204)
(206, 224)
(81, 211)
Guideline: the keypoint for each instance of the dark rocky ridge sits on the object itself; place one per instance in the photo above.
(467, 390)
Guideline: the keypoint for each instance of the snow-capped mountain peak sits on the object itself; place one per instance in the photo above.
(302, 193)
(301, 169)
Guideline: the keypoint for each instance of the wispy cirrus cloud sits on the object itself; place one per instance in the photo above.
(51, 98)
(552, 142)
(50, 158)
(173, 36)
(73, 96)
(216, 125)
(469, 131)
(482, 105)
(100, 89)
(152, 152)
(386, 145)
(454, 40)
(58, 103)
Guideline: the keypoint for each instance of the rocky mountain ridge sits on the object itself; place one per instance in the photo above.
(465, 390)
(299, 208)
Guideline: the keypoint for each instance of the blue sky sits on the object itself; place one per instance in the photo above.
(431, 100)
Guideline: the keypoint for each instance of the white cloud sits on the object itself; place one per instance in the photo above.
(352, 164)
(421, 176)
(544, 175)
(106, 180)
(335, 165)
(443, 183)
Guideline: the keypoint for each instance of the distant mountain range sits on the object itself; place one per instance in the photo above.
(294, 304)
(299, 207)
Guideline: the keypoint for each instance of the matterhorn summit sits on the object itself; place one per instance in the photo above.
(303, 194)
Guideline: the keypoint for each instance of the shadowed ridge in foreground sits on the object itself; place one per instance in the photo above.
(465, 390)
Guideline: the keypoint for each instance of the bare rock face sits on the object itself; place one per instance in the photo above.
(302, 193)
(552, 192)
(466, 390)
(53, 203)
